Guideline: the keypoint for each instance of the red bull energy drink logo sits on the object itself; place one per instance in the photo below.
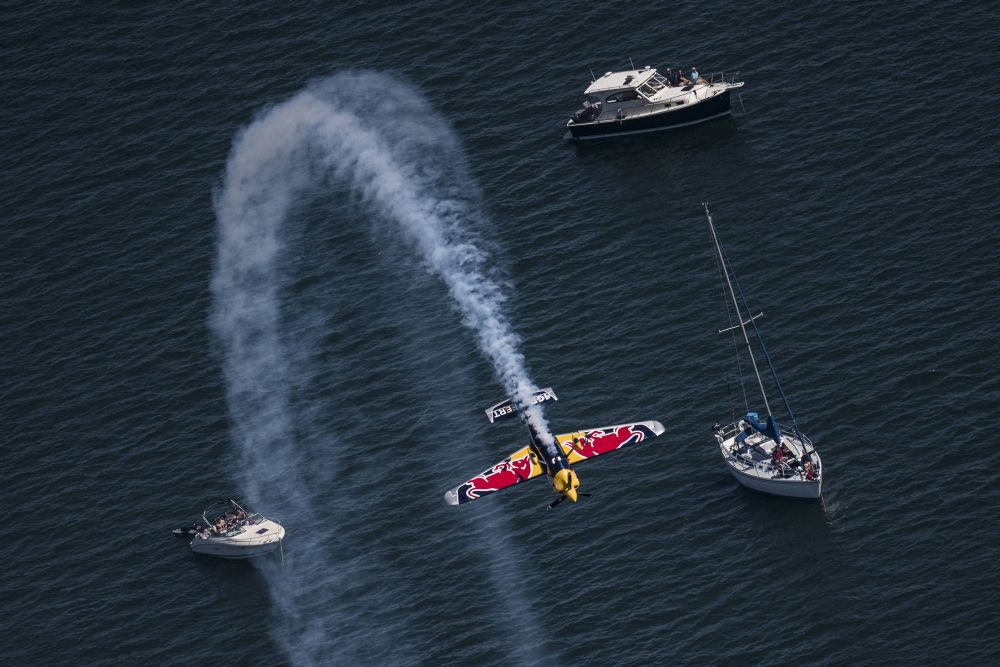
(508, 472)
(597, 442)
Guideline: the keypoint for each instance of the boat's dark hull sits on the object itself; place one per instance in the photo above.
(667, 119)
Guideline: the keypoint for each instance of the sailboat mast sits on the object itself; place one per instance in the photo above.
(732, 295)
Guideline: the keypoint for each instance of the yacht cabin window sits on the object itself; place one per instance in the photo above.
(623, 96)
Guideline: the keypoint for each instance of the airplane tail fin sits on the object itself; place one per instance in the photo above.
(506, 408)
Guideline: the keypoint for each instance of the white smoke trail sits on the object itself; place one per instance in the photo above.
(382, 140)
(330, 125)
(384, 174)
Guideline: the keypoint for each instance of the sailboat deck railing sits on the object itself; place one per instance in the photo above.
(733, 430)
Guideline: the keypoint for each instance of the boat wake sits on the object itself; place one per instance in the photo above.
(378, 139)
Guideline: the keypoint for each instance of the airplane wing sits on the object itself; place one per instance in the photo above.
(520, 466)
(596, 441)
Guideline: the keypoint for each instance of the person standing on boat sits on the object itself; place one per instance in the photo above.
(745, 432)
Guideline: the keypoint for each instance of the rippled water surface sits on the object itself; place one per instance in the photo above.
(856, 196)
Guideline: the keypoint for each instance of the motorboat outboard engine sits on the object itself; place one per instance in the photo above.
(588, 113)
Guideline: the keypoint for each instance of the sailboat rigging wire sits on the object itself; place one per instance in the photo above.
(736, 348)
(739, 368)
(763, 347)
(727, 270)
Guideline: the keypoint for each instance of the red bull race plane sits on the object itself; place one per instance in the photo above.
(556, 461)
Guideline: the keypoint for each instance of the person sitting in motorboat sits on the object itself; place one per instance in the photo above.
(220, 525)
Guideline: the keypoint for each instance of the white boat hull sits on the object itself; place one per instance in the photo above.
(788, 488)
(250, 543)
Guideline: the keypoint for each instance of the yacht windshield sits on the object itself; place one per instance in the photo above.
(655, 84)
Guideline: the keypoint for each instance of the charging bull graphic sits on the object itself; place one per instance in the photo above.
(516, 468)
(601, 441)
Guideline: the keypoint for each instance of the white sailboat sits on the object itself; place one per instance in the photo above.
(766, 457)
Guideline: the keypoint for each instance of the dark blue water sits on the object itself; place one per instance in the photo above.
(856, 197)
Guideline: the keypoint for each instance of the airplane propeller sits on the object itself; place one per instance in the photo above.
(562, 497)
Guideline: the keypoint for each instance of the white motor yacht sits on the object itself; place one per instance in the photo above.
(635, 101)
(227, 530)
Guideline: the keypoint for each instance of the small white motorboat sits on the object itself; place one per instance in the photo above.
(766, 457)
(227, 530)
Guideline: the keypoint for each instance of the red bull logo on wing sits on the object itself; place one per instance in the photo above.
(598, 442)
(508, 472)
